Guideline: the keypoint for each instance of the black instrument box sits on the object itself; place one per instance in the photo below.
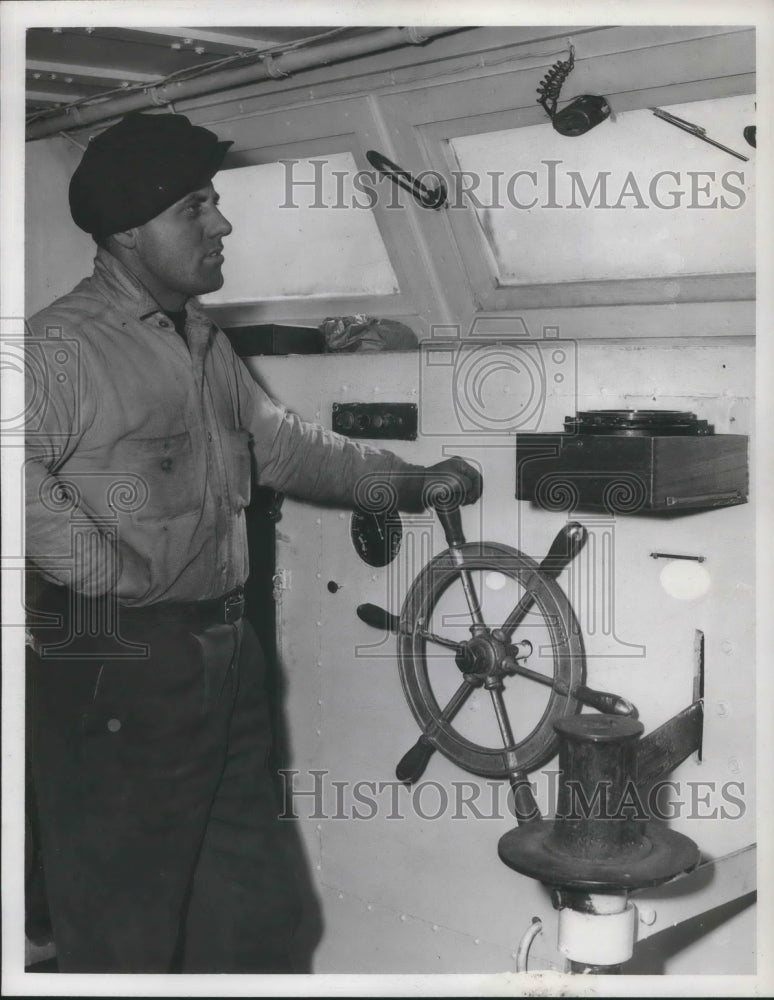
(630, 461)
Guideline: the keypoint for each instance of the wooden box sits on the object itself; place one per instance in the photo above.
(626, 475)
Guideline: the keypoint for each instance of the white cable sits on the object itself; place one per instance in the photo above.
(522, 953)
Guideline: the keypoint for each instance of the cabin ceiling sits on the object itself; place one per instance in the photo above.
(74, 64)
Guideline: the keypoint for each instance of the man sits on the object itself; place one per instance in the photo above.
(150, 732)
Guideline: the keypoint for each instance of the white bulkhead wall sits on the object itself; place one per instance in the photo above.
(415, 894)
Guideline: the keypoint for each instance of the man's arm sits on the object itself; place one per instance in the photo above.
(310, 463)
(64, 542)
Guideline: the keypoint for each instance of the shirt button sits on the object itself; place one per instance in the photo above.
(114, 725)
(209, 435)
(166, 465)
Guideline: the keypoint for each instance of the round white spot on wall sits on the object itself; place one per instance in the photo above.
(495, 581)
(685, 580)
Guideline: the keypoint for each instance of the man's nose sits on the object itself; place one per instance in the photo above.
(221, 226)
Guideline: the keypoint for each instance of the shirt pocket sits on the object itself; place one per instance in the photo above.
(238, 457)
(172, 479)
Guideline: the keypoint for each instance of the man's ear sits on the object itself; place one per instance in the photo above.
(126, 239)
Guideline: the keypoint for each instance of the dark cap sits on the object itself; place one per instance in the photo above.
(138, 168)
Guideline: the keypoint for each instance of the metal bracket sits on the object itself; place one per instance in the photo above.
(427, 197)
(662, 750)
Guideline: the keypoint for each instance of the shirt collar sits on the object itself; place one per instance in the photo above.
(126, 289)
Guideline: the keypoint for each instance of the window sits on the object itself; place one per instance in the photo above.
(301, 230)
(633, 198)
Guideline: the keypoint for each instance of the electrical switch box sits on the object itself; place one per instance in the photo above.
(396, 421)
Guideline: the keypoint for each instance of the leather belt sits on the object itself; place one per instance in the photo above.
(223, 610)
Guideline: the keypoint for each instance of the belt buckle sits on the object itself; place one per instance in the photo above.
(233, 606)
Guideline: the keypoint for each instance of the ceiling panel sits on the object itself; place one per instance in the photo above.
(70, 64)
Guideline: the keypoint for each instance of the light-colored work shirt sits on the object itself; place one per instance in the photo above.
(141, 450)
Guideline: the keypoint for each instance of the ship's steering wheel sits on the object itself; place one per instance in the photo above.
(490, 657)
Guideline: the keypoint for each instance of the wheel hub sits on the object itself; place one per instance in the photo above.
(483, 655)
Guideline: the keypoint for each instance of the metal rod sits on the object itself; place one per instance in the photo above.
(283, 64)
(697, 130)
(674, 555)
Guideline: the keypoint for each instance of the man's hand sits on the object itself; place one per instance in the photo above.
(450, 484)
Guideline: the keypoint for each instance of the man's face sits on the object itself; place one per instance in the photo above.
(179, 253)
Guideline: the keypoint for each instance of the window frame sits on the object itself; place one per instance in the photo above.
(506, 100)
(345, 126)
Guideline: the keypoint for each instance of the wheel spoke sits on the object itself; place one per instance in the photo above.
(502, 717)
(564, 548)
(470, 594)
(534, 675)
(525, 806)
(517, 616)
(439, 639)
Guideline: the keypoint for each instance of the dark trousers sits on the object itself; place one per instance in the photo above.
(160, 839)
